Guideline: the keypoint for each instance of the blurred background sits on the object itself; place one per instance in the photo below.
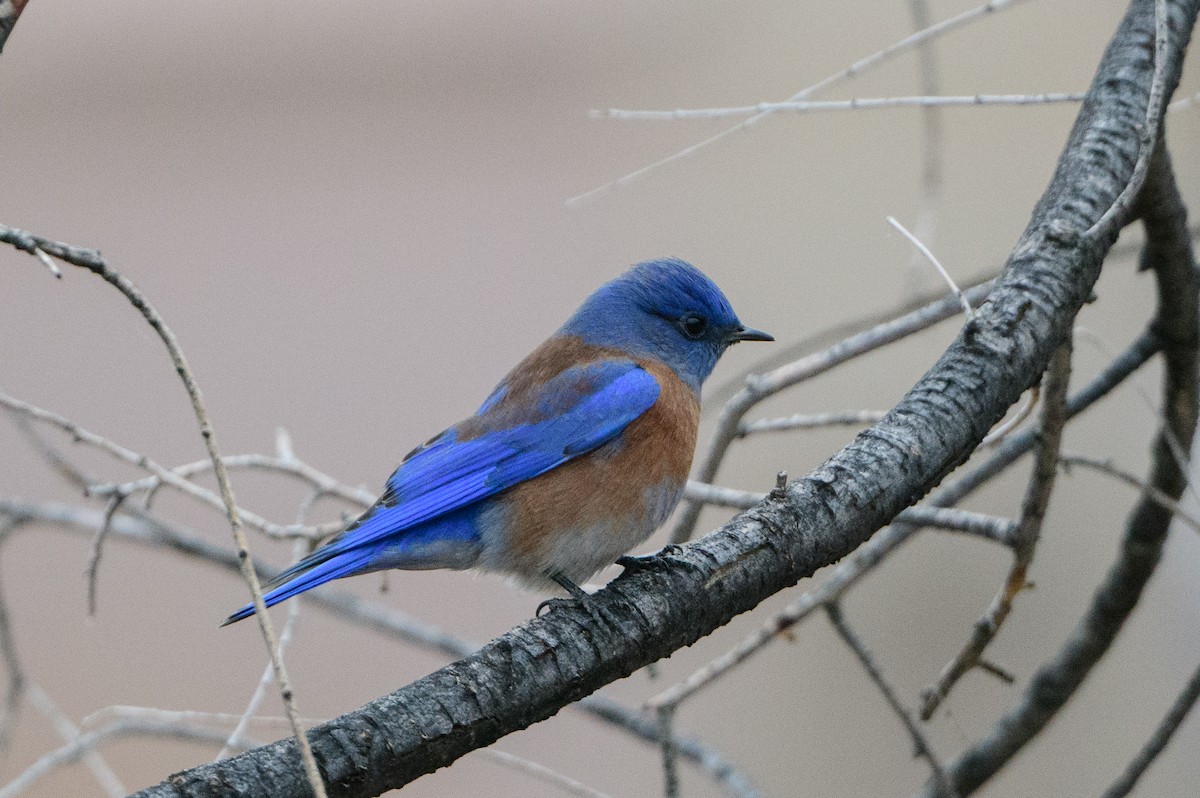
(353, 216)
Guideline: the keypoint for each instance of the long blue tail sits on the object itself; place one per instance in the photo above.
(315, 569)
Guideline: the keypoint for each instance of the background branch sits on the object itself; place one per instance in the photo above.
(1168, 253)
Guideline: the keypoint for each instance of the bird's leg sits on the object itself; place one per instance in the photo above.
(667, 555)
(578, 594)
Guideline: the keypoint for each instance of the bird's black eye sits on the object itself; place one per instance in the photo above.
(693, 326)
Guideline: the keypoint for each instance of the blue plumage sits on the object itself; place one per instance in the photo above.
(600, 390)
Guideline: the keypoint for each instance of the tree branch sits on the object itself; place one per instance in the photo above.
(1168, 252)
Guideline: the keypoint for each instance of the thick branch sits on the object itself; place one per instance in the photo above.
(1168, 251)
(141, 527)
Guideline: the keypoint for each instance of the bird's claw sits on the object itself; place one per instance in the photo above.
(552, 604)
(569, 603)
(667, 555)
(579, 598)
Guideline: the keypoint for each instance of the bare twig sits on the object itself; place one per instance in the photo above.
(810, 421)
(1158, 741)
(670, 756)
(236, 740)
(855, 104)
(929, 256)
(327, 485)
(140, 527)
(58, 462)
(920, 744)
(1009, 424)
(93, 567)
(169, 477)
(94, 263)
(1033, 510)
(760, 387)
(870, 554)
(1168, 252)
(785, 353)
(1117, 214)
(541, 772)
(84, 746)
(932, 150)
(873, 60)
(15, 672)
(1152, 493)
(990, 527)
(65, 729)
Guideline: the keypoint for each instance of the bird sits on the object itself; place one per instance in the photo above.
(578, 455)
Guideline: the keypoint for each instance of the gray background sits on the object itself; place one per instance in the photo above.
(352, 214)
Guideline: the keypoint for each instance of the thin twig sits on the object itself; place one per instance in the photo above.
(1152, 493)
(84, 745)
(1146, 394)
(932, 149)
(787, 352)
(855, 104)
(1000, 530)
(26, 242)
(1117, 213)
(95, 264)
(873, 60)
(67, 730)
(1033, 511)
(539, 771)
(924, 250)
(15, 672)
(762, 386)
(141, 527)
(191, 716)
(93, 567)
(1001, 430)
(236, 740)
(58, 462)
(920, 744)
(169, 477)
(1168, 252)
(846, 418)
(1158, 741)
(670, 756)
(290, 466)
(879, 547)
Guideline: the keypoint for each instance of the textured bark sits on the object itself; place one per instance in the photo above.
(10, 11)
(531, 672)
(1168, 252)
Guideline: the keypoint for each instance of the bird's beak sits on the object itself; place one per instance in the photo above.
(744, 333)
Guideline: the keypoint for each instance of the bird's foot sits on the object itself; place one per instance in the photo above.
(579, 598)
(554, 604)
(667, 555)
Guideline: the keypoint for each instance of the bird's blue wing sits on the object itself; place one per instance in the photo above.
(579, 410)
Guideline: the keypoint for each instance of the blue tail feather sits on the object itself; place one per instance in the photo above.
(306, 575)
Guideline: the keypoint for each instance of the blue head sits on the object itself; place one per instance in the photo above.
(665, 309)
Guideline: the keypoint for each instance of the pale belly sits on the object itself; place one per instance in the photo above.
(578, 550)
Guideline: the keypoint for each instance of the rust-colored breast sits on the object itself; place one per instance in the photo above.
(583, 514)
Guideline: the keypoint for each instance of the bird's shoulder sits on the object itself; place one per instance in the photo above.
(559, 376)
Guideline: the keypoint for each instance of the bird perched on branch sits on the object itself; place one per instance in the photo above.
(579, 454)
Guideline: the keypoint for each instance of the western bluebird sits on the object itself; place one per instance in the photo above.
(578, 455)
